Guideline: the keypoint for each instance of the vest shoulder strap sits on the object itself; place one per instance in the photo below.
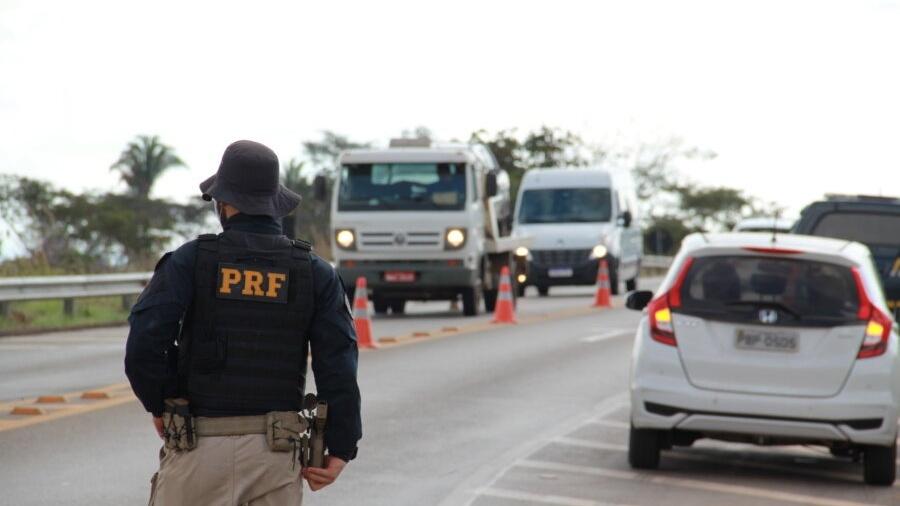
(301, 244)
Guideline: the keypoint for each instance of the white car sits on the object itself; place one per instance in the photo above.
(767, 342)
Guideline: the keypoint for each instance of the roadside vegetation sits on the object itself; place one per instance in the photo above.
(63, 232)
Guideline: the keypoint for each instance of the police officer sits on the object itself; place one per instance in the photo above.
(225, 324)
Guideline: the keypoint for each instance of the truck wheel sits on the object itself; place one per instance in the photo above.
(471, 297)
(880, 464)
(643, 448)
(398, 306)
(543, 291)
(520, 290)
(380, 305)
(490, 300)
(614, 280)
(631, 284)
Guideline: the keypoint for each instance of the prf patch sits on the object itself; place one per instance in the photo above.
(245, 282)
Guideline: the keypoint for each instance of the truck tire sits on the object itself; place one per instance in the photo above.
(471, 296)
(543, 291)
(490, 300)
(614, 280)
(643, 448)
(880, 464)
(520, 290)
(380, 305)
(398, 306)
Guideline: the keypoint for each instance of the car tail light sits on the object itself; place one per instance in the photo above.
(878, 324)
(660, 309)
(773, 251)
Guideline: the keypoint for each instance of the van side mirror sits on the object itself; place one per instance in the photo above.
(490, 185)
(319, 190)
(638, 300)
(625, 219)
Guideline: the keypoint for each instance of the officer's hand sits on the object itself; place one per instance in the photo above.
(319, 478)
(158, 423)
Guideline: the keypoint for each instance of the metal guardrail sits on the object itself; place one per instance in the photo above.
(69, 288)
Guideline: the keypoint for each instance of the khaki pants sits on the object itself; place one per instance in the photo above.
(227, 471)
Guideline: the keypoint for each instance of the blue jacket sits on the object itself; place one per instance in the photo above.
(155, 321)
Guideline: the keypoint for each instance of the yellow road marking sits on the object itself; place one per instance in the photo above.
(116, 394)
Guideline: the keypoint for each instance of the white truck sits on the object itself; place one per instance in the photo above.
(422, 221)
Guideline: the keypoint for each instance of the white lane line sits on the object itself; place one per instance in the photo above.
(595, 445)
(561, 500)
(690, 483)
(609, 423)
(606, 335)
(468, 492)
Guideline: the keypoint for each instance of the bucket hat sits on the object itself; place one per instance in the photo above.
(248, 179)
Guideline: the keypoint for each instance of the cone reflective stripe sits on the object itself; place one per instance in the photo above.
(601, 298)
(504, 311)
(361, 321)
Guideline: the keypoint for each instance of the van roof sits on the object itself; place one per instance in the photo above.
(457, 154)
(566, 177)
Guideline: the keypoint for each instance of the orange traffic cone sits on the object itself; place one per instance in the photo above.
(504, 311)
(361, 321)
(601, 299)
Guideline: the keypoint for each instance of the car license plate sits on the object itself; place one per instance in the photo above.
(400, 276)
(766, 340)
(563, 272)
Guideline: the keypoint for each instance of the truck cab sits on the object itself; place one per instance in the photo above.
(422, 221)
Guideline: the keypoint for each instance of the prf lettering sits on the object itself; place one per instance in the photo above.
(241, 282)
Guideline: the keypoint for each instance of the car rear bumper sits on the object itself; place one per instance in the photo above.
(864, 412)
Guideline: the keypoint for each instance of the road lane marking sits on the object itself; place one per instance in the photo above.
(119, 393)
(606, 335)
(706, 486)
(595, 445)
(502, 493)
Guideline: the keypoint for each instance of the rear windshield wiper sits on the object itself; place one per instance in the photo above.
(766, 303)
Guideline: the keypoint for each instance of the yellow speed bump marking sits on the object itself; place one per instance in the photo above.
(50, 399)
(17, 414)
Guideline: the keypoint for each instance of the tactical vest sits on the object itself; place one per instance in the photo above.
(244, 344)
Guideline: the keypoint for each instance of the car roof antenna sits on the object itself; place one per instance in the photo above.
(775, 226)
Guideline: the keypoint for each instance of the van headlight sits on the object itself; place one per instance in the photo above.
(345, 238)
(599, 251)
(454, 238)
(521, 251)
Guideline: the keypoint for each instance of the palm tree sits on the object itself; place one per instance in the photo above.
(142, 162)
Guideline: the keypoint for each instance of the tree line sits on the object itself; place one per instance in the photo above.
(67, 232)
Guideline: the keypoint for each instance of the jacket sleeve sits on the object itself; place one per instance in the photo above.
(334, 361)
(150, 352)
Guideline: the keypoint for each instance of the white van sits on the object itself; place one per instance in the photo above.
(577, 216)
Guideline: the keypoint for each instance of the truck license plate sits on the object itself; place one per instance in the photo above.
(766, 341)
(562, 272)
(400, 276)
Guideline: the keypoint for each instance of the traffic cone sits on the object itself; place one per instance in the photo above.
(361, 321)
(504, 311)
(601, 299)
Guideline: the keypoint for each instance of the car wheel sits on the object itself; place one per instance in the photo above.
(398, 306)
(880, 464)
(631, 284)
(643, 448)
(471, 297)
(543, 291)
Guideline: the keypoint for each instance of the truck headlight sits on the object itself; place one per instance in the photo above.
(521, 251)
(454, 238)
(345, 238)
(599, 251)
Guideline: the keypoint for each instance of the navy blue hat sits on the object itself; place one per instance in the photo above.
(248, 179)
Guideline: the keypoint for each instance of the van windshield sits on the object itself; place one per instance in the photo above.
(565, 205)
(402, 187)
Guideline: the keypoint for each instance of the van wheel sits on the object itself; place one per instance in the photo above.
(380, 305)
(880, 464)
(520, 290)
(614, 280)
(643, 448)
(631, 284)
(398, 306)
(471, 296)
(543, 291)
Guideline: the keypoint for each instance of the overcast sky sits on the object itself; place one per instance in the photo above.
(797, 98)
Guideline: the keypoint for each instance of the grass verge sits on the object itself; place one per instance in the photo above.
(30, 316)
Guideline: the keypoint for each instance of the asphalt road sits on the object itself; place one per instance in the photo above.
(529, 414)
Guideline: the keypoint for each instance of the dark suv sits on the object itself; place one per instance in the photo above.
(873, 221)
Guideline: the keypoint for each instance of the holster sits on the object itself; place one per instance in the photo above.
(178, 425)
(285, 431)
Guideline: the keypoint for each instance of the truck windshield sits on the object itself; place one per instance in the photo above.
(402, 187)
(565, 205)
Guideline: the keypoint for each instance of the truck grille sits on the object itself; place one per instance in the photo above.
(560, 257)
(399, 239)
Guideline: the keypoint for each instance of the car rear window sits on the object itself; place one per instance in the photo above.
(771, 290)
(867, 228)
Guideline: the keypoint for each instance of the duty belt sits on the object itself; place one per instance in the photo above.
(230, 425)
